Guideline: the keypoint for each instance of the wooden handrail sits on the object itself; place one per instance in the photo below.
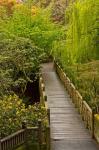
(13, 140)
(16, 139)
(12, 135)
(43, 97)
(43, 101)
(20, 137)
(83, 108)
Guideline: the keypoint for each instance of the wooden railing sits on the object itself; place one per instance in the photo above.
(88, 115)
(96, 127)
(13, 140)
(43, 101)
(22, 136)
(43, 97)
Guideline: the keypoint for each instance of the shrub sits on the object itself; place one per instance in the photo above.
(19, 64)
(31, 22)
(13, 113)
(78, 48)
(86, 79)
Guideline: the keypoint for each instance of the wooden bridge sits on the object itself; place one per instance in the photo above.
(67, 128)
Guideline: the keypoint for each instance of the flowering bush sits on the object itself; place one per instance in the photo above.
(13, 113)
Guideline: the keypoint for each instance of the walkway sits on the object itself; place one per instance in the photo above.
(67, 129)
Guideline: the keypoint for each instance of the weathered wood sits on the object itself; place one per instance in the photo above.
(48, 114)
(43, 97)
(93, 121)
(48, 138)
(96, 127)
(77, 99)
(0, 142)
(21, 137)
(87, 115)
(40, 134)
(66, 124)
(25, 134)
(13, 140)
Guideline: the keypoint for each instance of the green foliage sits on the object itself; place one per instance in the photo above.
(26, 38)
(82, 30)
(86, 79)
(19, 64)
(33, 23)
(13, 113)
(80, 45)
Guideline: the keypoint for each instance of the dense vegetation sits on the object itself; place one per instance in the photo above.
(78, 50)
(13, 112)
(26, 36)
(19, 63)
(80, 44)
(31, 32)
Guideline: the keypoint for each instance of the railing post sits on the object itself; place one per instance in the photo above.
(25, 132)
(48, 138)
(93, 120)
(48, 131)
(45, 98)
(48, 114)
(23, 125)
(40, 133)
(0, 143)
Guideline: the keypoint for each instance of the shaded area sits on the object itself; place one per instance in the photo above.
(31, 146)
(32, 93)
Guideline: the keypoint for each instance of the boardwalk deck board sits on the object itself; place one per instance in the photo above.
(67, 129)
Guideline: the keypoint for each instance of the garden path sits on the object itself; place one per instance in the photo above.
(67, 129)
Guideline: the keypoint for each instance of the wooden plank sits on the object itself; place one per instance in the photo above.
(66, 123)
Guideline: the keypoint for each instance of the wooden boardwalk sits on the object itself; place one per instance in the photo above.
(67, 129)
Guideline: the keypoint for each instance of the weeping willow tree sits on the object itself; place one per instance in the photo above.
(85, 30)
(82, 29)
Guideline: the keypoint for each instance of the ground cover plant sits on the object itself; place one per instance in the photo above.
(19, 63)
